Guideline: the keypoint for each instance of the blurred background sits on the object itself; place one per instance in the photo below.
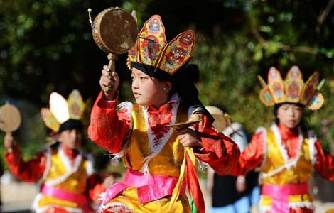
(47, 46)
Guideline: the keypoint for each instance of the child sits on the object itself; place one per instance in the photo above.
(286, 152)
(159, 159)
(66, 173)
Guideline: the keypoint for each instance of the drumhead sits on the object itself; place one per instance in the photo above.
(10, 118)
(114, 30)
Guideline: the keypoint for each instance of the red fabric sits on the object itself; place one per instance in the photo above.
(33, 170)
(95, 186)
(159, 118)
(55, 210)
(301, 210)
(324, 163)
(219, 151)
(30, 171)
(193, 185)
(108, 127)
(69, 152)
(161, 115)
(289, 140)
(252, 156)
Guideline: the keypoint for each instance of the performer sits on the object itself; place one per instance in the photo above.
(64, 171)
(286, 152)
(160, 159)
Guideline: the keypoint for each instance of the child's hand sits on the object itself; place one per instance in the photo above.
(9, 142)
(109, 82)
(189, 138)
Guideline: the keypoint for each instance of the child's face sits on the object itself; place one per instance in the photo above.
(70, 138)
(290, 115)
(148, 90)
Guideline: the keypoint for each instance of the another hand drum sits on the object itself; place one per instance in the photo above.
(10, 118)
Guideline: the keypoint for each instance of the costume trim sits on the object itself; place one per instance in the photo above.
(157, 144)
(115, 207)
(47, 164)
(43, 209)
(264, 144)
(289, 163)
(128, 107)
(69, 168)
(312, 139)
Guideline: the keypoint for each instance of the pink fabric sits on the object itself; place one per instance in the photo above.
(149, 187)
(64, 195)
(280, 195)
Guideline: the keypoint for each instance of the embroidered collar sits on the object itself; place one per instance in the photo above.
(158, 141)
(70, 168)
(278, 140)
(289, 163)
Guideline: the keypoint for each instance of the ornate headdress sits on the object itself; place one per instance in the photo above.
(64, 114)
(292, 89)
(153, 55)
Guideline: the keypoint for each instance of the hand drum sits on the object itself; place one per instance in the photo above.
(114, 31)
(10, 118)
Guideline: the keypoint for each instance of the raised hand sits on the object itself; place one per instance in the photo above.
(189, 138)
(9, 142)
(109, 82)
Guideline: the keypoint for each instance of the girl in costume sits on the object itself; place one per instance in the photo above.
(64, 171)
(159, 158)
(286, 152)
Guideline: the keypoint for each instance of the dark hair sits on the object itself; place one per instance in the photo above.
(277, 106)
(184, 84)
(71, 124)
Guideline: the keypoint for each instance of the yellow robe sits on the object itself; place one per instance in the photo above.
(167, 162)
(278, 169)
(60, 174)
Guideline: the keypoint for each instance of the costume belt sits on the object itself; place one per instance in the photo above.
(280, 195)
(80, 199)
(148, 187)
